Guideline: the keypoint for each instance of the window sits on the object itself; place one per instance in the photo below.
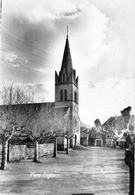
(75, 94)
(61, 95)
(64, 77)
(65, 94)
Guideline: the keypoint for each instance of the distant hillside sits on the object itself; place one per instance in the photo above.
(85, 125)
(84, 128)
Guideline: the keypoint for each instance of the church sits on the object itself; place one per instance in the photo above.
(67, 93)
(61, 115)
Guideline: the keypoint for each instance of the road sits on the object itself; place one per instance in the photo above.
(97, 170)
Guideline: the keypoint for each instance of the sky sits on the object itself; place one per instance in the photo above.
(101, 36)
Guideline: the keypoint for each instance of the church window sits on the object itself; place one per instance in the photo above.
(75, 98)
(61, 95)
(65, 94)
(64, 78)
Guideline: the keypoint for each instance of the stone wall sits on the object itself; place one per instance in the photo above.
(20, 152)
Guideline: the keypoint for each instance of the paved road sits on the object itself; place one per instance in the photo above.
(98, 170)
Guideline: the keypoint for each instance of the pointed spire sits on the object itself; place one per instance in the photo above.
(67, 60)
(67, 74)
(67, 31)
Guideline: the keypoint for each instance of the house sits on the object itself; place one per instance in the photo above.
(93, 138)
(115, 127)
(99, 139)
(109, 141)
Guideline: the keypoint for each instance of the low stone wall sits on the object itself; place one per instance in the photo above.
(17, 152)
(20, 152)
(45, 149)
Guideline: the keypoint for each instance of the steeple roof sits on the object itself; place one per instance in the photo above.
(67, 74)
(67, 60)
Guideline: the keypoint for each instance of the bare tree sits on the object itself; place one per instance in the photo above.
(125, 113)
(43, 136)
(15, 99)
(14, 94)
(43, 128)
(8, 133)
(97, 124)
(67, 136)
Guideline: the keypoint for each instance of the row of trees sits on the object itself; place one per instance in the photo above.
(35, 141)
(12, 95)
(15, 125)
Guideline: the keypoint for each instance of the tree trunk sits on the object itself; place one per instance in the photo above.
(55, 148)
(4, 155)
(36, 152)
(8, 153)
(67, 146)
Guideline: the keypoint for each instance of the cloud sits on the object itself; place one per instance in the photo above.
(106, 99)
(36, 11)
(46, 19)
(11, 58)
(87, 34)
(42, 90)
(37, 86)
(16, 65)
(52, 10)
(101, 36)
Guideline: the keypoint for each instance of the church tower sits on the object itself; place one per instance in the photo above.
(67, 91)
